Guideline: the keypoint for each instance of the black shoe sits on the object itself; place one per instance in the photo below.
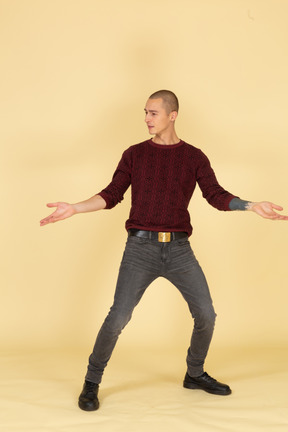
(88, 400)
(206, 383)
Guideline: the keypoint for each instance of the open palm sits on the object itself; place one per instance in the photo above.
(63, 211)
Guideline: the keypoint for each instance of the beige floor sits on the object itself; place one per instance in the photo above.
(144, 392)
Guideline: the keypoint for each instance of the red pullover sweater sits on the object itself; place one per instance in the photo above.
(163, 179)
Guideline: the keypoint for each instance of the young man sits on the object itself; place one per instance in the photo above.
(163, 173)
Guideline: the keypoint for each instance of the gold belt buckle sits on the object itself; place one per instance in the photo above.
(164, 237)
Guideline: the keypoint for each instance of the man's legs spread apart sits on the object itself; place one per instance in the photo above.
(143, 262)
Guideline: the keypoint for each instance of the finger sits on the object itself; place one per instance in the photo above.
(49, 219)
(282, 217)
(277, 216)
(46, 220)
(52, 204)
(276, 207)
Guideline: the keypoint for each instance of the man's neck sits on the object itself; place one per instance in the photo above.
(167, 139)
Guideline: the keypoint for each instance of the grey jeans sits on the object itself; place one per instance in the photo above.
(145, 260)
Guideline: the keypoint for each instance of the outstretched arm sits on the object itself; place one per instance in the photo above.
(66, 210)
(265, 209)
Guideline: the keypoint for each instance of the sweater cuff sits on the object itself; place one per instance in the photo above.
(238, 204)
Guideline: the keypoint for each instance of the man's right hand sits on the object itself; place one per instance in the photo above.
(63, 211)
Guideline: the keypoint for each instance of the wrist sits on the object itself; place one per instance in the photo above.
(75, 208)
(249, 206)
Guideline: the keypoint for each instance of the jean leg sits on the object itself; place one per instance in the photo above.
(131, 285)
(192, 284)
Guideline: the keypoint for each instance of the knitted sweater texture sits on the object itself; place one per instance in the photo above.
(163, 179)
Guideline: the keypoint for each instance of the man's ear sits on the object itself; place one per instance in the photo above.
(173, 115)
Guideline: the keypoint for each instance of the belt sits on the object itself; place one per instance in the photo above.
(163, 237)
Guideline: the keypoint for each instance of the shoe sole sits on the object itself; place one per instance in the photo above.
(89, 407)
(193, 386)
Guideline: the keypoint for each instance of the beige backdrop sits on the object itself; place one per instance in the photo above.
(75, 78)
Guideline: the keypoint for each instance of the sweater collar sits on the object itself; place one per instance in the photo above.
(165, 146)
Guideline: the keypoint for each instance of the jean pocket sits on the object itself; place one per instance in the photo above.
(184, 241)
(137, 240)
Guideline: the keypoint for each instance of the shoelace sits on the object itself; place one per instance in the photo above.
(208, 377)
(90, 386)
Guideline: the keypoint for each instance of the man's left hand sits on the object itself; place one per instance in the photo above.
(267, 210)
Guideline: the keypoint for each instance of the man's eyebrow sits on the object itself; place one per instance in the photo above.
(152, 111)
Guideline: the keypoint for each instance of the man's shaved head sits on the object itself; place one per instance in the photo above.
(170, 101)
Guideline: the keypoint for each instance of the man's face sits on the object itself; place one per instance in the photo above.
(157, 118)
